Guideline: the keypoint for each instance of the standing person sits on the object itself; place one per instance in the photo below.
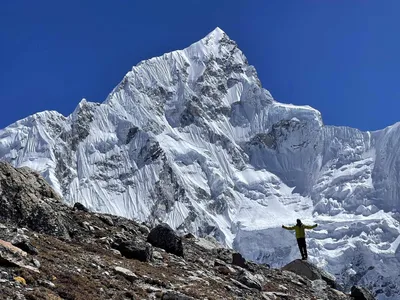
(300, 236)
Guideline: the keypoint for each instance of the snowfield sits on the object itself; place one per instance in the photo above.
(192, 139)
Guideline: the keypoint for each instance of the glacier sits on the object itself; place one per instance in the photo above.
(191, 138)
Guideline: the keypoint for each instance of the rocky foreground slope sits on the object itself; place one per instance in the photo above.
(51, 251)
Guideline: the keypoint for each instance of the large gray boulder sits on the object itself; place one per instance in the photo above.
(164, 237)
(309, 270)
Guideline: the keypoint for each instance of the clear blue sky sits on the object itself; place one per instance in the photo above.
(339, 56)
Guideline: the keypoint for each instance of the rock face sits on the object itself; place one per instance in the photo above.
(312, 272)
(86, 266)
(162, 236)
(28, 200)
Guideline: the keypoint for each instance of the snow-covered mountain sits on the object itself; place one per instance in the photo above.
(192, 139)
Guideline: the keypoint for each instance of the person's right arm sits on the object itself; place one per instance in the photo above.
(288, 227)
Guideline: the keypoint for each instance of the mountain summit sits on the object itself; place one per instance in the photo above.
(192, 139)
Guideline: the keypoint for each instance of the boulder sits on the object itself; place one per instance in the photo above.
(36, 263)
(107, 219)
(189, 236)
(162, 236)
(361, 293)
(206, 243)
(46, 283)
(80, 206)
(136, 249)
(86, 225)
(238, 260)
(128, 274)
(239, 284)
(226, 270)
(309, 270)
(144, 229)
(218, 262)
(129, 228)
(19, 238)
(11, 256)
(223, 254)
(24, 244)
(249, 280)
(116, 252)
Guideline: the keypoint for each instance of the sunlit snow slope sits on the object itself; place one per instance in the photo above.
(192, 139)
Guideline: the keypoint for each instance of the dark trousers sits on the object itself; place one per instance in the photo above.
(302, 246)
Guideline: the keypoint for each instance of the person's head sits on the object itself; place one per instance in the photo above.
(298, 222)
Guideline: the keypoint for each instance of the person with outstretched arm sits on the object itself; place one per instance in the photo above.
(300, 236)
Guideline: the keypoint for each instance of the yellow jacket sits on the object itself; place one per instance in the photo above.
(300, 230)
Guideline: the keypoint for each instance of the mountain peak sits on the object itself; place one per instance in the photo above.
(216, 38)
(216, 34)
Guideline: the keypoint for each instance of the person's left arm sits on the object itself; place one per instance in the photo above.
(310, 226)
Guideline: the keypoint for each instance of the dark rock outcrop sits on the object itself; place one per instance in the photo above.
(162, 236)
(80, 206)
(361, 293)
(238, 260)
(136, 249)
